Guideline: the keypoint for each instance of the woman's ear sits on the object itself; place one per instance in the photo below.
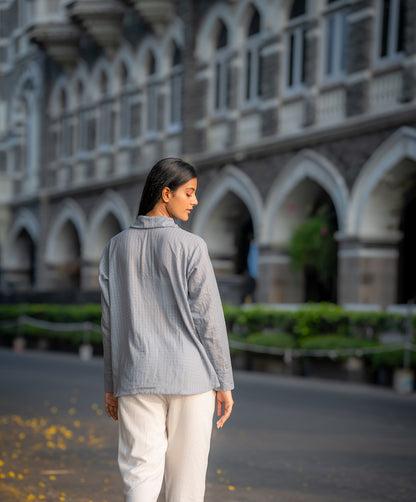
(166, 194)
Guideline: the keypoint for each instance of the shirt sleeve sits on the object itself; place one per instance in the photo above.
(106, 321)
(208, 315)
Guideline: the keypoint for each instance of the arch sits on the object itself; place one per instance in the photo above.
(27, 221)
(149, 45)
(111, 203)
(32, 74)
(102, 66)
(232, 180)
(174, 35)
(26, 123)
(206, 37)
(62, 84)
(305, 165)
(80, 76)
(124, 56)
(70, 212)
(398, 148)
(244, 12)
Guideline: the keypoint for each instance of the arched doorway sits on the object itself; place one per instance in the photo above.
(229, 234)
(313, 248)
(20, 268)
(102, 231)
(381, 244)
(68, 258)
(407, 250)
(304, 246)
(109, 227)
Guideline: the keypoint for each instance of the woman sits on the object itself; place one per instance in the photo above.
(166, 355)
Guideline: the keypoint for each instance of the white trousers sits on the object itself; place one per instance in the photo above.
(164, 438)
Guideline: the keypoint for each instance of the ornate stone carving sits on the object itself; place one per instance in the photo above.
(59, 39)
(157, 13)
(103, 20)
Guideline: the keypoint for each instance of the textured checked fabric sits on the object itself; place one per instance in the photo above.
(162, 319)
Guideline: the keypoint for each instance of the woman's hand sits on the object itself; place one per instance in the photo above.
(111, 405)
(226, 398)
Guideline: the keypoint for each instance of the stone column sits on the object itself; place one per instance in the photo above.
(367, 270)
(43, 275)
(89, 275)
(278, 282)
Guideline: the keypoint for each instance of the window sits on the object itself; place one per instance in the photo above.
(221, 101)
(176, 79)
(105, 113)
(336, 42)
(152, 96)
(253, 60)
(29, 138)
(86, 122)
(296, 58)
(392, 28)
(125, 104)
(27, 12)
(66, 131)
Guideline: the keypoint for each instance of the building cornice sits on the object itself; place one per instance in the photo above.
(60, 40)
(308, 138)
(102, 19)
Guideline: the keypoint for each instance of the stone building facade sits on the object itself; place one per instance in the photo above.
(284, 106)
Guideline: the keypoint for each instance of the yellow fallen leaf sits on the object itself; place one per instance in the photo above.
(231, 488)
(41, 484)
(52, 478)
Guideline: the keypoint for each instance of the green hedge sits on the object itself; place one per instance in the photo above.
(313, 319)
(313, 326)
(65, 340)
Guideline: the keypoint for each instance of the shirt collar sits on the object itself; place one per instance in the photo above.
(153, 222)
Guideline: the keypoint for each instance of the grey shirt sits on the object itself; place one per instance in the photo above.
(162, 320)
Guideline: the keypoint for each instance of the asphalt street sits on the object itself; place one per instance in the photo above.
(289, 439)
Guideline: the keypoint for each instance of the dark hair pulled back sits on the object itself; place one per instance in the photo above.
(171, 173)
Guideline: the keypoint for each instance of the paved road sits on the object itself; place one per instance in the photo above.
(289, 439)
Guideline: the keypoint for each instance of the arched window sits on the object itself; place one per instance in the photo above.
(125, 133)
(86, 121)
(296, 46)
(221, 78)
(253, 60)
(66, 129)
(105, 122)
(152, 96)
(391, 28)
(30, 136)
(176, 81)
(336, 40)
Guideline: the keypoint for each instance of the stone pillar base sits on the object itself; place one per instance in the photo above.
(367, 271)
(278, 282)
